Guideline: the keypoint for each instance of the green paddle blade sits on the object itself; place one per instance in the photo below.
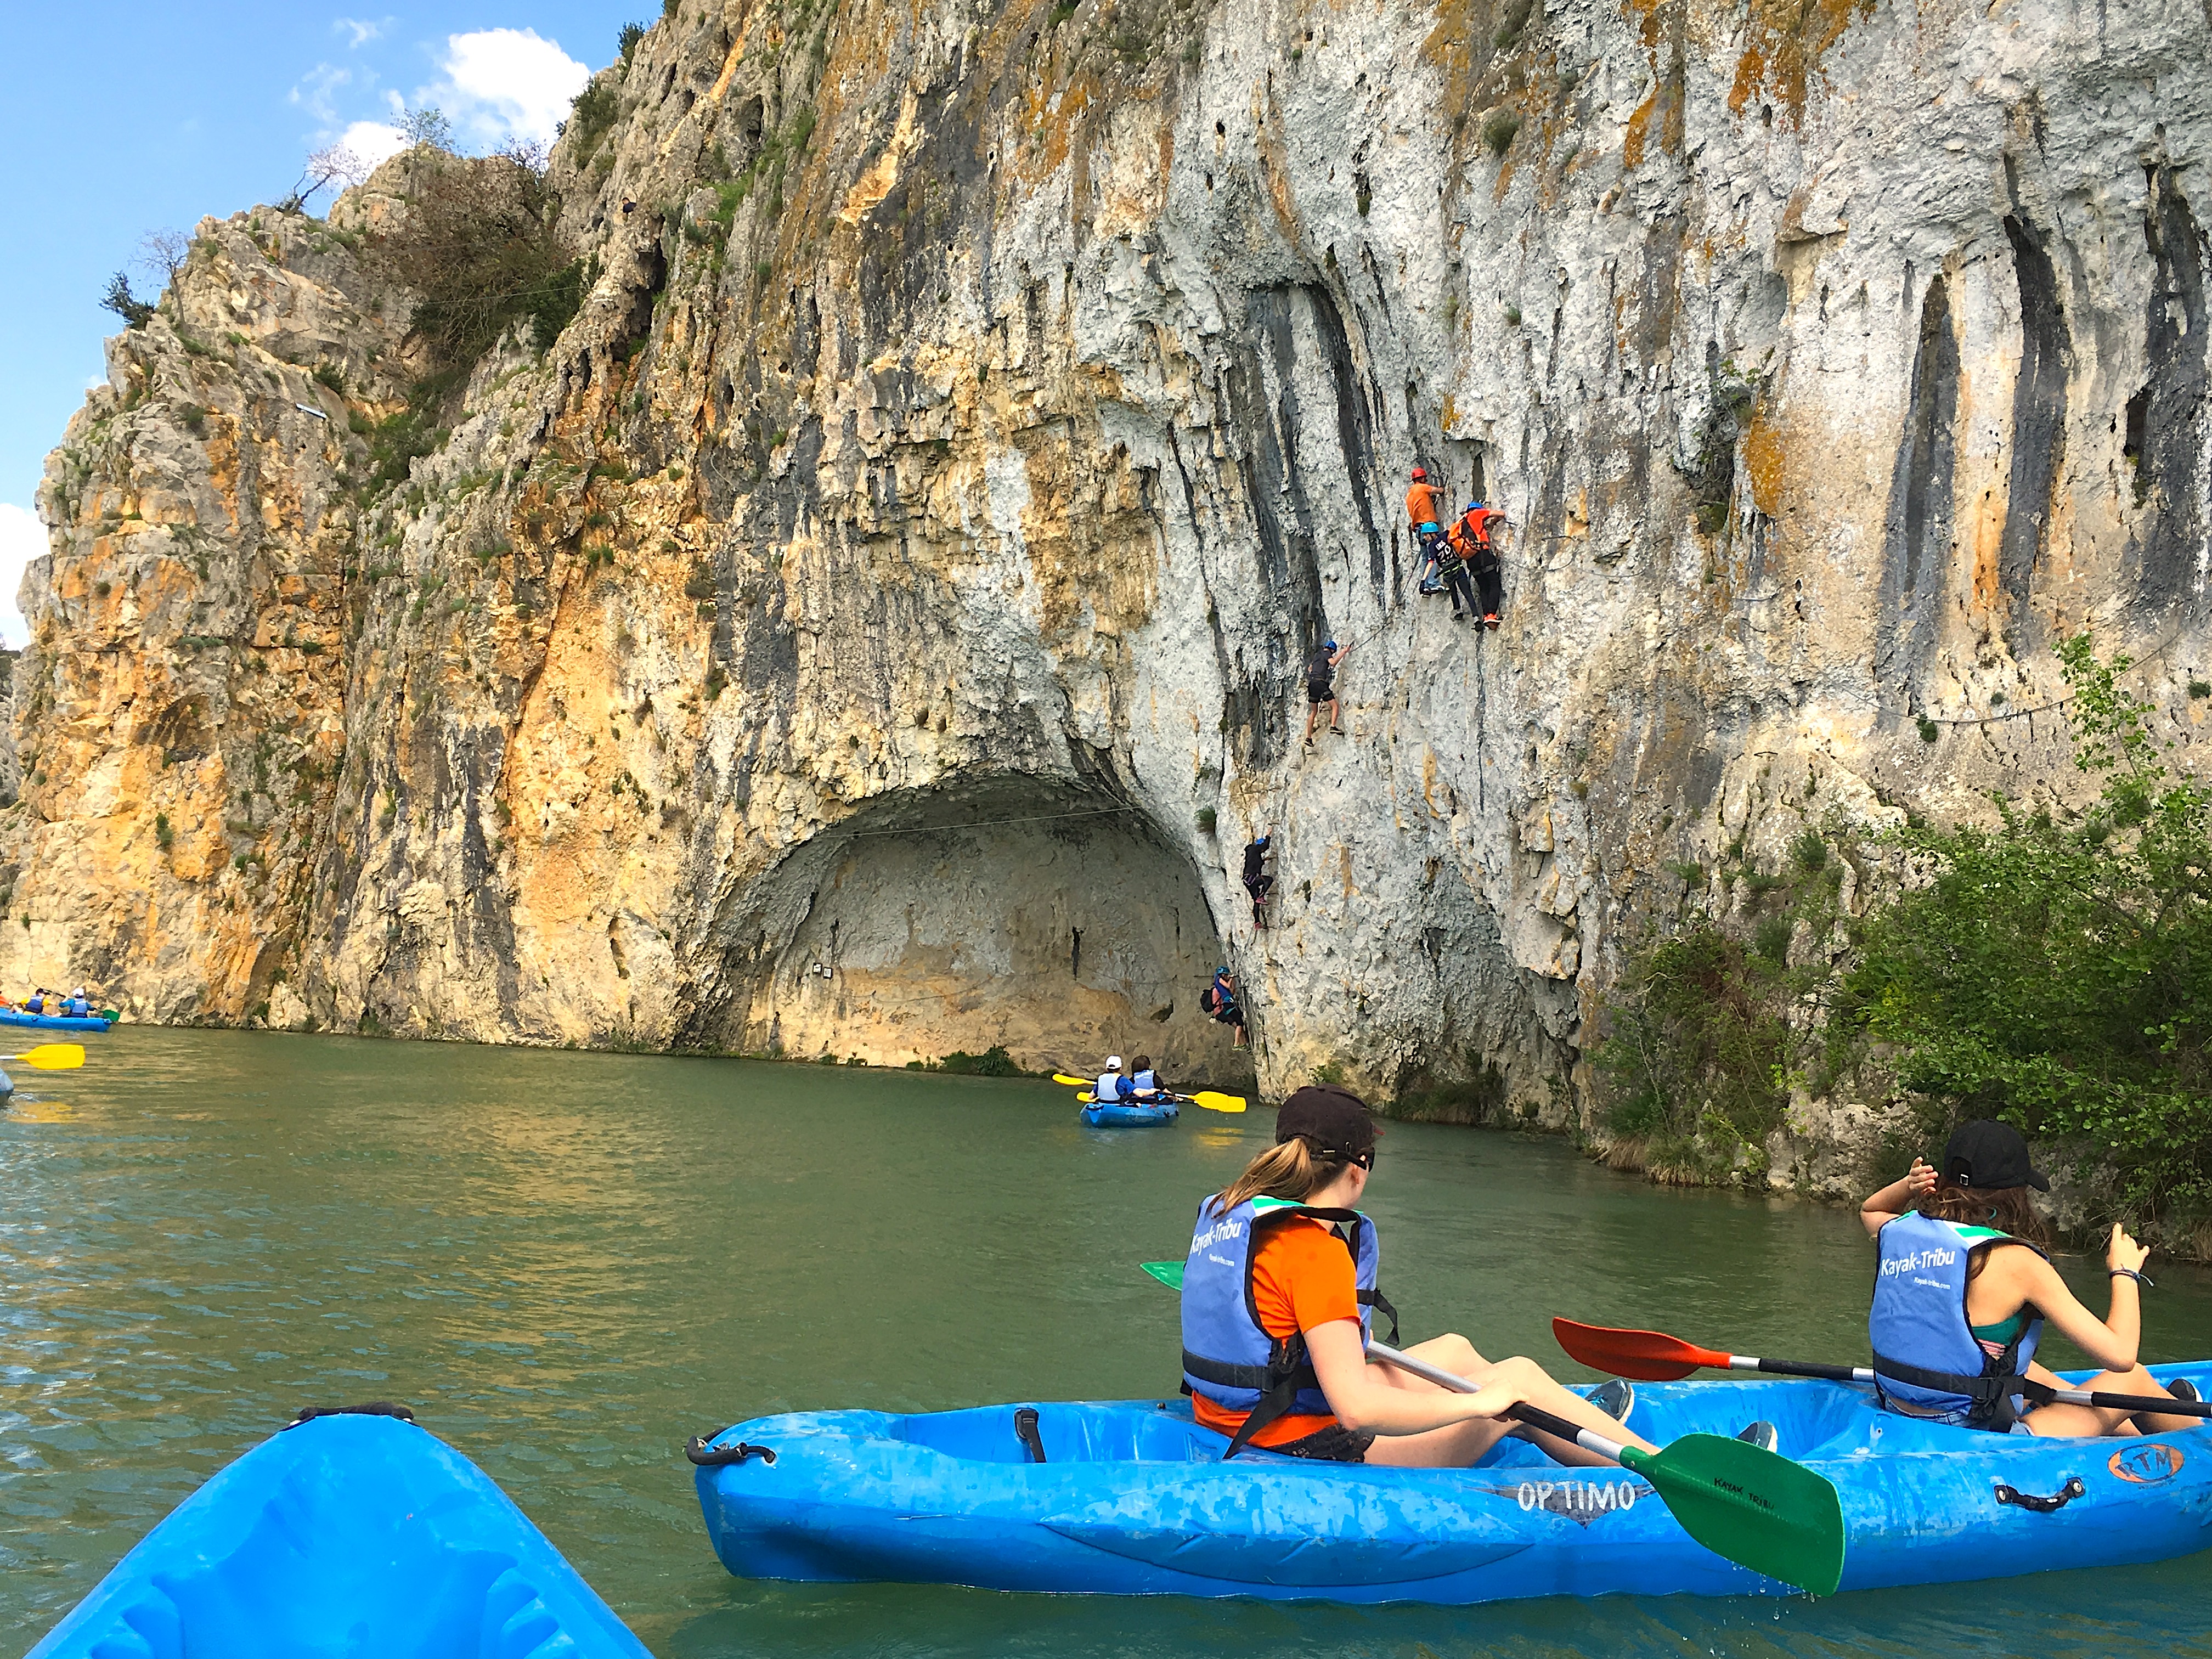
(1752, 1506)
(1169, 1273)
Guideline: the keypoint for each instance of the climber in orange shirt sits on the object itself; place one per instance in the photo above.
(1427, 513)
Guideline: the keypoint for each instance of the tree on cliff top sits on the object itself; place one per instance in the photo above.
(478, 247)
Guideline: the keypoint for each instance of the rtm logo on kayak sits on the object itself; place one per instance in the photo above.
(1915, 1260)
(1579, 1501)
(2145, 1464)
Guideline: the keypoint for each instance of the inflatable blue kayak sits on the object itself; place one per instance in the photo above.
(1127, 1113)
(1132, 1498)
(55, 1022)
(345, 1535)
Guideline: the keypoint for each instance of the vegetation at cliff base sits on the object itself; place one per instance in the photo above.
(2057, 971)
(2054, 970)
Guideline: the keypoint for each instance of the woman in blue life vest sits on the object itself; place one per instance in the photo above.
(1276, 1295)
(1963, 1289)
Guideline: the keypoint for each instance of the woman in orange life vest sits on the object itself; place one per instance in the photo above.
(1964, 1289)
(1276, 1292)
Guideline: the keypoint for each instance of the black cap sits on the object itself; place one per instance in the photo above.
(1333, 1120)
(1985, 1155)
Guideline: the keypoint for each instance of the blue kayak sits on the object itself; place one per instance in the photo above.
(54, 1022)
(1132, 1498)
(1127, 1113)
(345, 1536)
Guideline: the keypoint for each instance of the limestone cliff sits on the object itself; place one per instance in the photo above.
(876, 624)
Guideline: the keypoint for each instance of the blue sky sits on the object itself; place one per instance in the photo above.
(118, 120)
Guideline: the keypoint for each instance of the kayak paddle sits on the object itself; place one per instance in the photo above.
(1754, 1507)
(1213, 1100)
(52, 1056)
(1654, 1357)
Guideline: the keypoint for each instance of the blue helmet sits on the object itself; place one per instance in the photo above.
(1475, 506)
(1329, 645)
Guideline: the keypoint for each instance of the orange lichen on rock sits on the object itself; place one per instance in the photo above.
(1785, 44)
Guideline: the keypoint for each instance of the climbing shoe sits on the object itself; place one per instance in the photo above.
(1432, 587)
(1760, 1434)
(1615, 1398)
(1491, 620)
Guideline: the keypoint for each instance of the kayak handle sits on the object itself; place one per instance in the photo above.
(708, 1456)
(374, 1409)
(2058, 1500)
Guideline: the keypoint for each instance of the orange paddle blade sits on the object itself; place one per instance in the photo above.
(1646, 1356)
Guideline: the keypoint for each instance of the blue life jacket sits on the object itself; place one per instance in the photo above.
(79, 1007)
(1926, 1356)
(37, 1005)
(1226, 1354)
(1111, 1087)
(1145, 1083)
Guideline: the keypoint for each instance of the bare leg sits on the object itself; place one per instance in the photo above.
(1313, 713)
(2084, 1421)
(1463, 1443)
(1334, 724)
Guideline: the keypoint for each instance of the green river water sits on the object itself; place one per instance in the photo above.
(569, 1263)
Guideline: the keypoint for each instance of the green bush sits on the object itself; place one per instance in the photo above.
(1499, 128)
(993, 1061)
(591, 114)
(2057, 971)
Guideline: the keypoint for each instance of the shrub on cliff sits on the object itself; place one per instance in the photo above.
(478, 247)
(2056, 972)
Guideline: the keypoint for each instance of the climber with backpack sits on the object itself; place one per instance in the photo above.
(1470, 536)
(1218, 1000)
(1427, 513)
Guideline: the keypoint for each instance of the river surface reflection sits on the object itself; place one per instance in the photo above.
(569, 1263)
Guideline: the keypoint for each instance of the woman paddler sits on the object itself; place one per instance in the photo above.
(1276, 1297)
(1963, 1289)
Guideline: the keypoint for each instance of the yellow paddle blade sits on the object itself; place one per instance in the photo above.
(52, 1056)
(1072, 1082)
(1084, 1099)
(1217, 1102)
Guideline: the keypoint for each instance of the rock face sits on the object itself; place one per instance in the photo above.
(877, 623)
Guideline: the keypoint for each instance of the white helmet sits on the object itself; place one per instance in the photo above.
(1113, 1062)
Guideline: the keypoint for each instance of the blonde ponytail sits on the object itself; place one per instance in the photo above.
(1288, 1170)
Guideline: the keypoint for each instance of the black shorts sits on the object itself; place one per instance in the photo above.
(1333, 1444)
(1319, 692)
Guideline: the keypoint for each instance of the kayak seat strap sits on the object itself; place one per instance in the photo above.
(1277, 1382)
(1991, 1393)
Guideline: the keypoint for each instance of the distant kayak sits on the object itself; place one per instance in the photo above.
(346, 1534)
(56, 1021)
(1132, 1498)
(1127, 1113)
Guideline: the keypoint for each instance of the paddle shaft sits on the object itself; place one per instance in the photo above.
(2041, 1393)
(1534, 1416)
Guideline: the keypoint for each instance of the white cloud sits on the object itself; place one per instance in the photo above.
(316, 92)
(359, 33)
(372, 142)
(505, 83)
(22, 538)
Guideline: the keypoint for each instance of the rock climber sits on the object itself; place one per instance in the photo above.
(1258, 882)
(1427, 513)
(1321, 669)
(1144, 1082)
(1113, 1084)
(1471, 532)
(1451, 569)
(1220, 1000)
